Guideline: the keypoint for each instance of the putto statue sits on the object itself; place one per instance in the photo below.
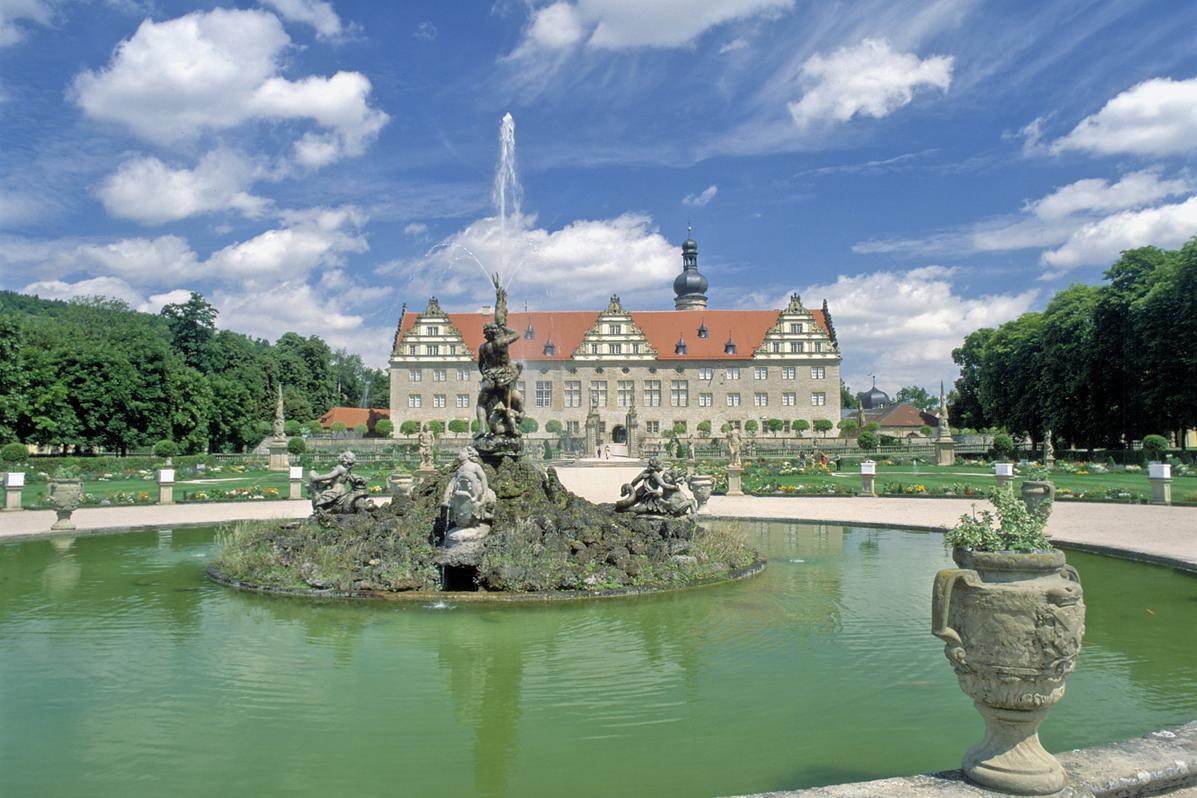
(427, 444)
(340, 491)
(500, 406)
(656, 491)
(734, 443)
(468, 507)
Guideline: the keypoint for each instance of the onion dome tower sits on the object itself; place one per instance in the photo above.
(689, 287)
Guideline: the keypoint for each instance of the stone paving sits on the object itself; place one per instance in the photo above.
(1166, 534)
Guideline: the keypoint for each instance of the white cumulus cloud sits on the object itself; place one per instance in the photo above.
(317, 13)
(701, 199)
(148, 191)
(144, 261)
(1133, 190)
(1100, 242)
(209, 71)
(15, 12)
(903, 325)
(869, 79)
(111, 287)
(309, 239)
(1153, 118)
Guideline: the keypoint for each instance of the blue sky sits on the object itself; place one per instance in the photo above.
(927, 167)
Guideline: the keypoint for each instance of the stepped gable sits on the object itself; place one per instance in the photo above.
(662, 328)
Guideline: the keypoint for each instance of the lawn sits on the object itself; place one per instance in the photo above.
(958, 481)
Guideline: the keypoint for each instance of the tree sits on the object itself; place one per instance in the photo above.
(292, 427)
(297, 445)
(867, 440)
(528, 425)
(192, 326)
(872, 426)
(409, 427)
(847, 398)
(724, 427)
(750, 426)
(554, 426)
(848, 427)
(13, 380)
(437, 428)
(313, 427)
(458, 426)
(14, 453)
(1155, 446)
(165, 448)
(918, 396)
(967, 410)
(338, 426)
(1003, 446)
(679, 428)
(799, 426)
(704, 428)
(384, 427)
(925, 431)
(361, 429)
(823, 426)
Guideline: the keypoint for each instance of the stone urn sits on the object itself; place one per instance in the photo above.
(1036, 493)
(701, 486)
(1012, 624)
(65, 495)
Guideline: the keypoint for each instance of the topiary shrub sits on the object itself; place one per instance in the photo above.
(458, 426)
(799, 426)
(867, 440)
(823, 425)
(437, 428)
(750, 426)
(166, 448)
(528, 425)
(14, 453)
(1003, 446)
(297, 445)
(553, 426)
(1155, 446)
(338, 426)
(409, 427)
(384, 427)
(314, 427)
(704, 428)
(292, 427)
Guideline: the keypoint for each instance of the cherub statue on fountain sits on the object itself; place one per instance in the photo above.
(500, 406)
(656, 491)
(340, 491)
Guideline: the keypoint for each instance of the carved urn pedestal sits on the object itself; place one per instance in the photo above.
(701, 486)
(1012, 625)
(65, 495)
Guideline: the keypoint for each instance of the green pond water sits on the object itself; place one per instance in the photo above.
(124, 672)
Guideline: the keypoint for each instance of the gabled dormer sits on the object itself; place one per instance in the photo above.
(432, 338)
(614, 336)
(797, 333)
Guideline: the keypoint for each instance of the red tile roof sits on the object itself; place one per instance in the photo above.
(352, 416)
(662, 328)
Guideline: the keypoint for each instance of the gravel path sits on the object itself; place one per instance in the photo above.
(1167, 534)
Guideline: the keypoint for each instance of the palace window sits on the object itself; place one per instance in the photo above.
(635, 348)
(438, 400)
(522, 387)
(652, 393)
(463, 400)
(706, 399)
(614, 349)
(413, 400)
(679, 393)
(598, 394)
(463, 374)
(438, 375)
(572, 427)
(432, 329)
(797, 346)
(733, 400)
(732, 374)
(760, 373)
(652, 427)
(817, 373)
(544, 393)
(414, 375)
(818, 346)
(594, 349)
(707, 374)
(818, 399)
(796, 328)
(411, 349)
(573, 393)
(432, 349)
(614, 329)
(789, 398)
(788, 373)
(625, 392)
(760, 399)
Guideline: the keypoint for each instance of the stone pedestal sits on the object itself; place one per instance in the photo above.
(423, 473)
(868, 478)
(279, 459)
(295, 478)
(1003, 474)
(945, 452)
(14, 482)
(166, 486)
(400, 484)
(1160, 475)
(733, 481)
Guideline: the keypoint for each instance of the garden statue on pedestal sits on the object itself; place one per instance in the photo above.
(279, 461)
(656, 491)
(500, 406)
(1011, 618)
(734, 442)
(468, 509)
(340, 491)
(427, 443)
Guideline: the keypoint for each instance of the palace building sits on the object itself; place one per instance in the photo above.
(625, 377)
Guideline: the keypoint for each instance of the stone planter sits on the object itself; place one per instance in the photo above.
(1012, 624)
(65, 495)
(1037, 492)
(701, 486)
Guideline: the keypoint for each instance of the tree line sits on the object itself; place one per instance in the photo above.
(1102, 366)
(93, 374)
